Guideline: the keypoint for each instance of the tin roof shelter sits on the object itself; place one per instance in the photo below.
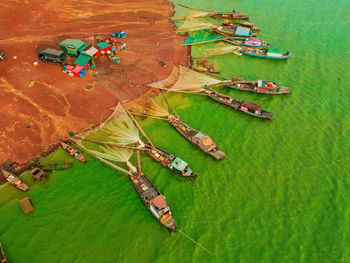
(72, 46)
(82, 60)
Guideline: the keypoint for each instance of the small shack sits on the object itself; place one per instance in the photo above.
(103, 47)
(73, 46)
(26, 205)
(251, 107)
(83, 61)
(38, 174)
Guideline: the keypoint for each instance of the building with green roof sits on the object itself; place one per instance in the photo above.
(83, 60)
(72, 46)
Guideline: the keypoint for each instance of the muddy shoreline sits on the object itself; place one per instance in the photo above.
(35, 132)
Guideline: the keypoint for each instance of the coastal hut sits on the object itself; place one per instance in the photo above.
(73, 46)
(26, 205)
(38, 174)
(103, 47)
(83, 61)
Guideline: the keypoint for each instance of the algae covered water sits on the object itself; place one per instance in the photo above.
(280, 195)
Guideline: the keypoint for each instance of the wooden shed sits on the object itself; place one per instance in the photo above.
(73, 46)
(26, 205)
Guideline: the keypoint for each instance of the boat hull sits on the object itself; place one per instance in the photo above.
(190, 134)
(283, 92)
(154, 201)
(15, 181)
(264, 56)
(72, 152)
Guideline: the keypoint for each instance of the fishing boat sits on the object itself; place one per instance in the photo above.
(2, 255)
(240, 105)
(208, 13)
(271, 53)
(153, 199)
(247, 24)
(15, 181)
(204, 69)
(260, 86)
(72, 152)
(173, 163)
(247, 42)
(233, 31)
(200, 139)
(55, 166)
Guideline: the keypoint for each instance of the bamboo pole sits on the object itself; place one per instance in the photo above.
(138, 161)
(2, 251)
(104, 161)
(112, 144)
(171, 105)
(140, 128)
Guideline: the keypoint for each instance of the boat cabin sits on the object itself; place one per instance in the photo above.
(275, 52)
(38, 174)
(267, 84)
(243, 31)
(179, 165)
(253, 41)
(251, 107)
(26, 205)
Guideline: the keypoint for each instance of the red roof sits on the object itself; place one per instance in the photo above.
(252, 106)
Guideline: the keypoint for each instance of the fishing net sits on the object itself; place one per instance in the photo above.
(220, 49)
(200, 37)
(196, 14)
(194, 25)
(155, 107)
(187, 80)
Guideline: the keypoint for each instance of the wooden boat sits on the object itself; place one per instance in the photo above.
(260, 86)
(247, 42)
(247, 24)
(173, 163)
(15, 181)
(233, 31)
(72, 152)
(226, 15)
(204, 69)
(271, 53)
(240, 105)
(201, 140)
(26, 205)
(154, 200)
(38, 174)
(2, 255)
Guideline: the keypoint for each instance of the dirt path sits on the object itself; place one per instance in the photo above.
(33, 117)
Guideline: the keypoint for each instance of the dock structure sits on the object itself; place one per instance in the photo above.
(38, 174)
(26, 205)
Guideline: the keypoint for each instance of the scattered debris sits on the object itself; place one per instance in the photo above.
(2, 55)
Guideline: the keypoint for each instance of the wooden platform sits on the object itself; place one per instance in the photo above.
(26, 205)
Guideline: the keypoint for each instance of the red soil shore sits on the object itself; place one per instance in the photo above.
(33, 117)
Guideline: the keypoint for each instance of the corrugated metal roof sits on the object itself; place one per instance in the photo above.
(82, 60)
(76, 43)
(103, 45)
(52, 51)
(91, 51)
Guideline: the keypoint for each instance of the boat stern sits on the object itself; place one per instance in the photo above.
(266, 115)
(217, 154)
(283, 90)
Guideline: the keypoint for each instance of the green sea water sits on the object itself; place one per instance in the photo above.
(280, 195)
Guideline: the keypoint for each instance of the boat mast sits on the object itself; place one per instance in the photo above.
(138, 126)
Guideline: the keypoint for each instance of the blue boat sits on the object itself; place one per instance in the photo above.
(271, 53)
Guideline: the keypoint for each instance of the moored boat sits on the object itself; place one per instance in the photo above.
(201, 140)
(154, 200)
(246, 24)
(204, 69)
(240, 105)
(248, 42)
(2, 255)
(260, 86)
(271, 53)
(233, 31)
(15, 181)
(72, 152)
(173, 163)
